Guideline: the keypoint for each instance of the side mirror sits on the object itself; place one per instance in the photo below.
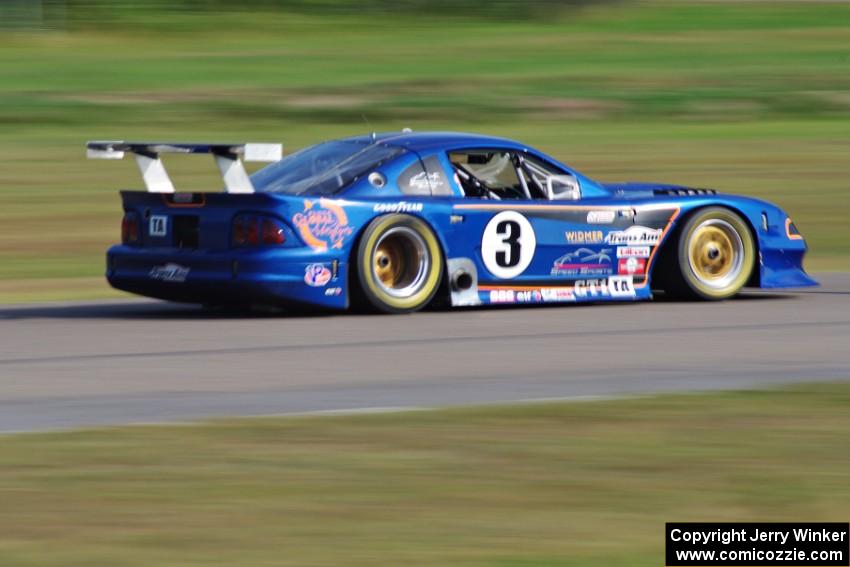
(563, 188)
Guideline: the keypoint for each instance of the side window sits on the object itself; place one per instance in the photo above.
(504, 174)
(491, 174)
(414, 180)
(437, 177)
(553, 182)
(424, 178)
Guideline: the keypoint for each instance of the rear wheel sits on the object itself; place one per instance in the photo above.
(399, 264)
(716, 254)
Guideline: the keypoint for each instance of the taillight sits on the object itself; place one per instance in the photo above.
(254, 230)
(273, 232)
(130, 228)
(238, 232)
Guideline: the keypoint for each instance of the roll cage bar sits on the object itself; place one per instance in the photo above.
(524, 170)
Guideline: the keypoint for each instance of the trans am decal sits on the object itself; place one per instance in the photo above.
(158, 225)
(322, 224)
(634, 235)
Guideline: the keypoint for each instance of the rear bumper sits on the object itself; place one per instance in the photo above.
(270, 276)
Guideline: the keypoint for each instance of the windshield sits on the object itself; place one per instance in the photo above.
(323, 169)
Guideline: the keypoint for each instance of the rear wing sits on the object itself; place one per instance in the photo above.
(228, 157)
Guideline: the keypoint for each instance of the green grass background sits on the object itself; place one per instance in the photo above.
(583, 484)
(747, 97)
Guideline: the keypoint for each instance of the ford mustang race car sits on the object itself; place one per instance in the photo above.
(397, 221)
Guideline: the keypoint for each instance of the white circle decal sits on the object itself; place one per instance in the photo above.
(508, 244)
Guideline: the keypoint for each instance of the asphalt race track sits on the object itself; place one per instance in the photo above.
(142, 361)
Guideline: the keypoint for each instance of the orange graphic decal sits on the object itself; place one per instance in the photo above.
(322, 224)
(789, 234)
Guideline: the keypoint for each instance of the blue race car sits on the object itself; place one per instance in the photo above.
(396, 221)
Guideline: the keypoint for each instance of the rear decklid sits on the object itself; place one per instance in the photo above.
(193, 221)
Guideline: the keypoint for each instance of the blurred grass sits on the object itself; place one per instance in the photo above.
(748, 97)
(583, 484)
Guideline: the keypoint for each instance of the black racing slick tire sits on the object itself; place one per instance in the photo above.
(399, 264)
(716, 255)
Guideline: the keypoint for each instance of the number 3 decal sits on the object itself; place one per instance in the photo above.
(508, 244)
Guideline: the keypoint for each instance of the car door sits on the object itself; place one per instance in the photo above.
(523, 242)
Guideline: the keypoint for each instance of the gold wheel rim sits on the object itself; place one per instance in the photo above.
(389, 264)
(400, 263)
(716, 253)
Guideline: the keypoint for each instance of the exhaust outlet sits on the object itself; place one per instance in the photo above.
(461, 280)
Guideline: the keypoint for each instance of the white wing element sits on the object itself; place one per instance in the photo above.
(228, 157)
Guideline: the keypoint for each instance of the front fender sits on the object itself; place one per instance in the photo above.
(781, 252)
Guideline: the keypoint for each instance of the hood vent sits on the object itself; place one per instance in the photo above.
(684, 192)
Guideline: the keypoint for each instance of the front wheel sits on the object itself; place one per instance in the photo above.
(399, 264)
(716, 254)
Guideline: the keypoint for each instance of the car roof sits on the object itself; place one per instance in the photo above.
(428, 141)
